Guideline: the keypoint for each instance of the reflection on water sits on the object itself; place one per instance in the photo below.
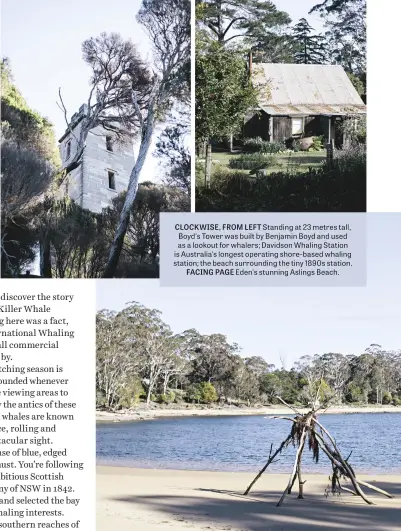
(243, 443)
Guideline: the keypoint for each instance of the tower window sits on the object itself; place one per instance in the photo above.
(112, 180)
(109, 143)
(68, 150)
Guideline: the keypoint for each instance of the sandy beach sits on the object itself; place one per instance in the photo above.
(169, 500)
(149, 414)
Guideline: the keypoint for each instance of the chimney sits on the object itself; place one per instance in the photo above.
(83, 109)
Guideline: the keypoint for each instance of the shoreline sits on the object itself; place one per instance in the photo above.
(128, 469)
(179, 500)
(152, 414)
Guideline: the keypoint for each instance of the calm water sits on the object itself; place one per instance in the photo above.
(243, 443)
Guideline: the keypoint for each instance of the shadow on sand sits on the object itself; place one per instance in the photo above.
(257, 511)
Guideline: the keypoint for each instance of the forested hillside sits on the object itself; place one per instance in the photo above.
(29, 160)
(139, 358)
(44, 230)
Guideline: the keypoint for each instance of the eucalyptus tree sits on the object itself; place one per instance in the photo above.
(117, 361)
(174, 152)
(117, 72)
(227, 21)
(311, 370)
(152, 340)
(336, 372)
(258, 366)
(345, 22)
(213, 358)
(168, 26)
(223, 92)
(176, 365)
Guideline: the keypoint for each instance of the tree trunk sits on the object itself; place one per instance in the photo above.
(117, 245)
(148, 394)
(45, 263)
(165, 383)
(208, 165)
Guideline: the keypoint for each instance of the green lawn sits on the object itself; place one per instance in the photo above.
(294, 162)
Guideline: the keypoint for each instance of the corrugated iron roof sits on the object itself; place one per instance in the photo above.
(308, 110)
(291, 89)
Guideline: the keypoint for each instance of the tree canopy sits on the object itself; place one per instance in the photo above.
(308, 47)
(203, 368)
(224, 92)
(345, 23)
(128, 96)
(226, 21)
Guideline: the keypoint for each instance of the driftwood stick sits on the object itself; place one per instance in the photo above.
(338, 460)
(336, 477)
(372, 487)
(269, 461)
(294, 470)
(285, 418)
(300, 482)
(293, 482)
(346, 489)
(288, 405)
(346, 466)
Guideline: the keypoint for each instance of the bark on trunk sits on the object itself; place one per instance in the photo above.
(148, 395)
(117, 245)
(45, 263)
(208, 165)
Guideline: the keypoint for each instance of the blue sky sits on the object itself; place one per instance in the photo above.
(298, 9)
(287, 322)
(44, 45)
(42, 39)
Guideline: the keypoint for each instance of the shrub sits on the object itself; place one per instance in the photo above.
(355, 393)
(350, 160)
(317, 144)
(194, 393)
(166, 398)
(387, 398)
(100, 399)
(208, 392)
(296, 146)
(129, 395)
(252, 161)
(203, 392)
(355, 129)
(338, 189)
(263, 146)
(396, 401)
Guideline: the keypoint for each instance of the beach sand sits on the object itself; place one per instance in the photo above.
(149, 414)
(132, 499)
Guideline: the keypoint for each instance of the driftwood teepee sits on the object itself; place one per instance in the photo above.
(307, 430)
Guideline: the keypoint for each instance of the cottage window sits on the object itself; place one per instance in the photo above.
(297, 126)
(112, 180)
(109, 143)
(68, 150)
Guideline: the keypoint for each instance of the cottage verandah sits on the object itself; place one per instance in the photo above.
(298, 100)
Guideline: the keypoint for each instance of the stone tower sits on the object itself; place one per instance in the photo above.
(105, 168)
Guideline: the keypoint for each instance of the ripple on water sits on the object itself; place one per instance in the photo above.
(241, 444)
